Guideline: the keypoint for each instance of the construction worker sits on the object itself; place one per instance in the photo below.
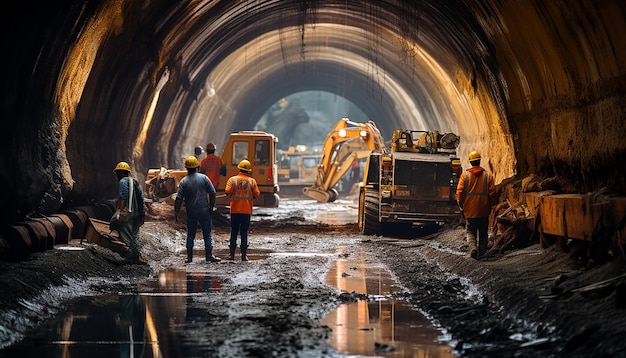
(212, 165)
(242, 190)
(475, 195)
(197, 152)
(355, 173)
(130, 196)
(198, 193)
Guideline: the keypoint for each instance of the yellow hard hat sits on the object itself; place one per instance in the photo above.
(474, 155)
(191, 162)
(122, 166)
(245, 166)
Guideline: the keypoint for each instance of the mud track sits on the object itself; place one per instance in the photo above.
(525, 303)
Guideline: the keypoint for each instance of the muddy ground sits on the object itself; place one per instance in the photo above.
(529, 302)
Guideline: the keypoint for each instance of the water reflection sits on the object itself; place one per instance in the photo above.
(380, 326)
(127, 324)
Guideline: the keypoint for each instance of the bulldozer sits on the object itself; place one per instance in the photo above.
(346, 142)
(411, 185)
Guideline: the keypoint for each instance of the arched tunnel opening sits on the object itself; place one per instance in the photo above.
(304, 118)
(537, 88)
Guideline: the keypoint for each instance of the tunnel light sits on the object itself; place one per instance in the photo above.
(342, 133)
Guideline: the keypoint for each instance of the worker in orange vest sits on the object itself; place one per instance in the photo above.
(476, 195)
(242, 190)
(212, 165)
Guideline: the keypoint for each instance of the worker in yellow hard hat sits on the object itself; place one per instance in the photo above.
(130, 213)
(242, 190)
(476, 195)
(198, 193)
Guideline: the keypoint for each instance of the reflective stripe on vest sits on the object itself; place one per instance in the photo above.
(485, 191)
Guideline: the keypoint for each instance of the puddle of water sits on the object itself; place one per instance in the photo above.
(124, 324)
(339, 212)
(149, 324)
(381, 326)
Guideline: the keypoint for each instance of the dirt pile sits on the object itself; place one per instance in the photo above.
(523, 303)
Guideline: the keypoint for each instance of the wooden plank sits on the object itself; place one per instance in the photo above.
(553, 215)
(576, 215)
(98, 233)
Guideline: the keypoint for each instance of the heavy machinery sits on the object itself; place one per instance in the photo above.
(347, 141)
(256, 146)
(297, 168)
(412, 185)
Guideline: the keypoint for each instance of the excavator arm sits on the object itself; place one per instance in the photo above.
(346, 142)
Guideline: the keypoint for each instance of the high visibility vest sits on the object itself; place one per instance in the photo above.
(475, 195)
(211, 166)
(242, 190)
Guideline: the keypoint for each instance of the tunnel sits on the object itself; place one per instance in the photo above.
(536, 86)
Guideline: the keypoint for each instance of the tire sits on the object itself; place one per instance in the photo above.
(370, 218)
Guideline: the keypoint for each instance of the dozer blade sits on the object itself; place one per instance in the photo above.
(322, 196)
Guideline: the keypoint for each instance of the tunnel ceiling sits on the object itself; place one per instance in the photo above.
(267, 50)
(529, 84)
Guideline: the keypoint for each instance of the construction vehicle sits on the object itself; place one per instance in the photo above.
(256, 146)
(297, 168)
(412, 185)
(347, 141)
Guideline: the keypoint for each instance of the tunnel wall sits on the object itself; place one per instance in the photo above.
(564, 67)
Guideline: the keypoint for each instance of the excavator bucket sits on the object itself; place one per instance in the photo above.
(322, 196)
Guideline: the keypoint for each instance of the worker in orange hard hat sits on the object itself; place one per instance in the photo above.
(242, 190)
(198, 193)
(212, 165)
(476, 195)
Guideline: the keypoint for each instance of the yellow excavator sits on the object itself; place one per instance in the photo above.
(347, 141)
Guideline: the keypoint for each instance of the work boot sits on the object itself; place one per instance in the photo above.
(189, 257)
(243, 255)
(473, 250)
(231, 257)
(211, 258)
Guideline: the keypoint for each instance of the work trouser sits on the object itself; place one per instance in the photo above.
(477, 227)
(239, 224)
(129, 234)
(192, 227)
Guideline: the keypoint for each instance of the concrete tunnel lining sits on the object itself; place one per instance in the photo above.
(507, 84)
